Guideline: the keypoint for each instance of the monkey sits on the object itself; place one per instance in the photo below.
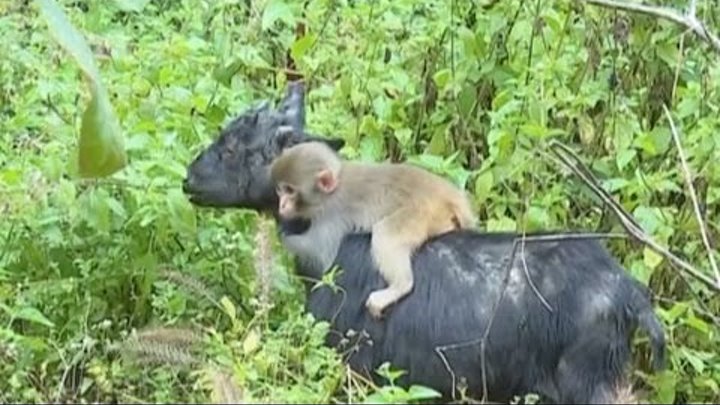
(401, 204)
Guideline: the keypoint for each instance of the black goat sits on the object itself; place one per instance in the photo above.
(473, 317)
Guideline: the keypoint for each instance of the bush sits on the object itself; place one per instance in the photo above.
(98, 271)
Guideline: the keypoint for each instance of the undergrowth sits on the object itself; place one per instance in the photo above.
(118, 290)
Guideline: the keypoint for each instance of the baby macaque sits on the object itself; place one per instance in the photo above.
(402, 205)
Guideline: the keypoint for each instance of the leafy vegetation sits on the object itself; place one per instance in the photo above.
(98, 262)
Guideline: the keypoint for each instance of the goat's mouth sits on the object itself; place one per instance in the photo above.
(202, 198)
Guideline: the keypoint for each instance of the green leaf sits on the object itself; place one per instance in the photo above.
(697, 363)
(677, 310)
(422, 392)
(648, 218)
(33, 315)
(274, 11)
(224, 73)
(403, 135)
(467, 100)
(251, 341)
(301, 46)
(229, 307)
(650, 258)
(131, 5)
(503, 224)
(101, 149)
(697, 324)
(624, 157)
(483, 185)
(540, 131)
(665, 384)
(441, 78)
(437, 145)
(69, 38)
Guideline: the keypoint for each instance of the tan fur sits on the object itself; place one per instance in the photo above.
(401, 204)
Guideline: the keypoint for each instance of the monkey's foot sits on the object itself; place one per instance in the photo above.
(378, 301)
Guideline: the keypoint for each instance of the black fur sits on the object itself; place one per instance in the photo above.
(576, 353)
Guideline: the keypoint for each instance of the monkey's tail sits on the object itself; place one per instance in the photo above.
(649, 322)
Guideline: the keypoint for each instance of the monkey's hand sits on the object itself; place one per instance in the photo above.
(378, 301)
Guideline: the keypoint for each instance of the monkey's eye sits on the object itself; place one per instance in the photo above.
(286, 189)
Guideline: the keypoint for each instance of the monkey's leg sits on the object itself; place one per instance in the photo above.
(393, 241)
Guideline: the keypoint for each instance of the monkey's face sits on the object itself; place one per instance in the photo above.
(289, 199)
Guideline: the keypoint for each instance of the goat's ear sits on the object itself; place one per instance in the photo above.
(335, 143)
(293, 105)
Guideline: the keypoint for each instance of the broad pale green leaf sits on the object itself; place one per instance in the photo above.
(301, 46)
(224, 73)
(624, 157)
(229, 307)
(251, 341)
(403, 135)
(441, 78)
(503, 224)
(437, 145)
(665, 384)
(101, 149)
(131, 5)
(422, 392)
(697, 324)
(651, 259)
(649, 218)
(677, 310)
(33, 315)
(69, 38)
(276, 10)
(483, 186)
(690, 355)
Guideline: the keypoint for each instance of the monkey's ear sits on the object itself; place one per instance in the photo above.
(326, 181)
(334, 143)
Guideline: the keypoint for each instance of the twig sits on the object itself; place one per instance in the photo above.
(688, 20)
(693, 195)
(529, 279)
(627, 221)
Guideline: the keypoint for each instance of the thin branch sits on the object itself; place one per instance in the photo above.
(529, 278)
(627, 220)
(693, 195)
(687, 20)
